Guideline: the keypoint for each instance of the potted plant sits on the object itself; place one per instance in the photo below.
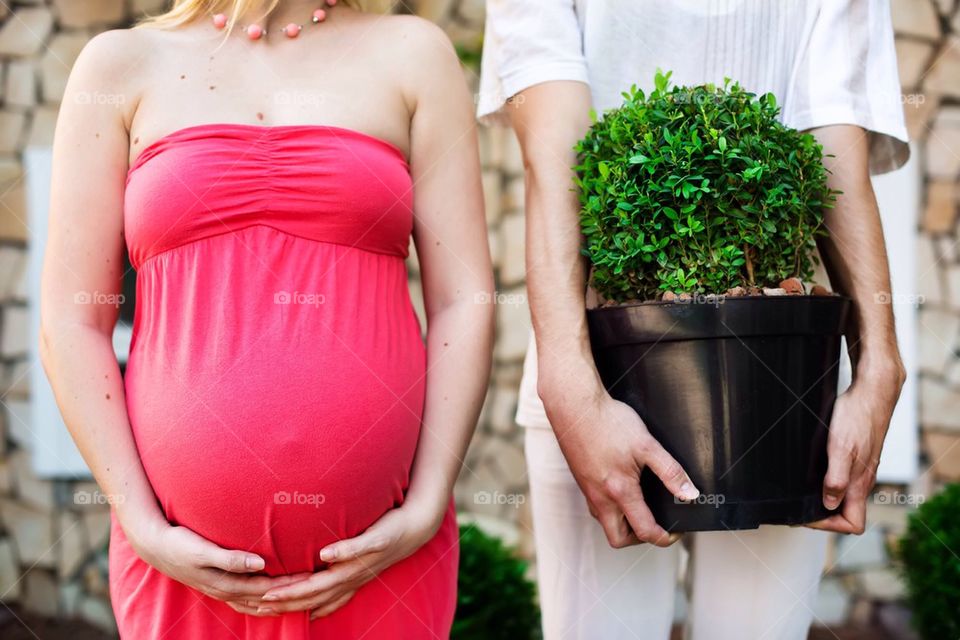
(700, 212)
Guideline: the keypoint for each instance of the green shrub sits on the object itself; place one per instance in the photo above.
(698, 189)
(495, 599)
(930, 555)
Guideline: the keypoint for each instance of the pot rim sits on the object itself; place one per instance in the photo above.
(669, 321)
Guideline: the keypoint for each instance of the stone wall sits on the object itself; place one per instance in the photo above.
(53, 533)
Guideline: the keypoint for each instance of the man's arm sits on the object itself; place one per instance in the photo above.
(856, 260)
(604, 441)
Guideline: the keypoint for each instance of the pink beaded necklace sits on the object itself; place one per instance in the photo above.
(292, 30)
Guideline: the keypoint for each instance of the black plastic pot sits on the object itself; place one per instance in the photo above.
(740, 391)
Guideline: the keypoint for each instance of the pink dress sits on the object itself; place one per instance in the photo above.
(276, 378)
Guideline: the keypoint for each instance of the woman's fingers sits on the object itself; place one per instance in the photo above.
(249, 608)
(318, 582)
(327, 609)
(373, 540)
(232, 561)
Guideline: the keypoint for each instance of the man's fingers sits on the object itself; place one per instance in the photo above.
(666, 467)
(615, 526)
(642, 522)
(835, 483)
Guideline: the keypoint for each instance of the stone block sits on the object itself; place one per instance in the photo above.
(928, 269)
(513, 268)
(939, 406)
(938, 331)
(31, 490)
(17, 383)
(943, 453)
(503, 408)
(492, 195)
(912, 59)
(915, 18)
(72, 544)
(21, 84)
(12, 125)
(11, 586)
(943, 155)
(140, 8)
(13, 264)
(26, 34)
(57, 61)
(31, 530)
(943, 74)
(42, 126)
(18, 422)
(88, 13)
(513, 322)
(15, 339)
(13, 212)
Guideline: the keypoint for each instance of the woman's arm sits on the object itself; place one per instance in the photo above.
(82, 273)
(451, 237)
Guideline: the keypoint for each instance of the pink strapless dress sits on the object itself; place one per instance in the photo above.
(276, 378)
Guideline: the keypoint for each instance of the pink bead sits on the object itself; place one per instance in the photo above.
(292, 30)
(331, 2)
(319, 15)
(220, 20)
(254, 32)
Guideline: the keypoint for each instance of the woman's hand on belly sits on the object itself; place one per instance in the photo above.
(216, 572)
(354, 562)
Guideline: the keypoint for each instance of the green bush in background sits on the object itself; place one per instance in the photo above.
(495, 599)
(930, 556)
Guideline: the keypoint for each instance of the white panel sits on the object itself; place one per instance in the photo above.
(898, 194)
(54, 452)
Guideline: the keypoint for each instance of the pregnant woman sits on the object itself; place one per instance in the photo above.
(281, 451)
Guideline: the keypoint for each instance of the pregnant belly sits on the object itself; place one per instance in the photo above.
(279, 454)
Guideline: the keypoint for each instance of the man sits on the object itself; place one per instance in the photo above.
(832, 66)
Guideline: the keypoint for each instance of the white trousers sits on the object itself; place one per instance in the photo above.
(741, 585)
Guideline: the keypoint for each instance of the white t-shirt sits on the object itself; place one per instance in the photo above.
(826, 61)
